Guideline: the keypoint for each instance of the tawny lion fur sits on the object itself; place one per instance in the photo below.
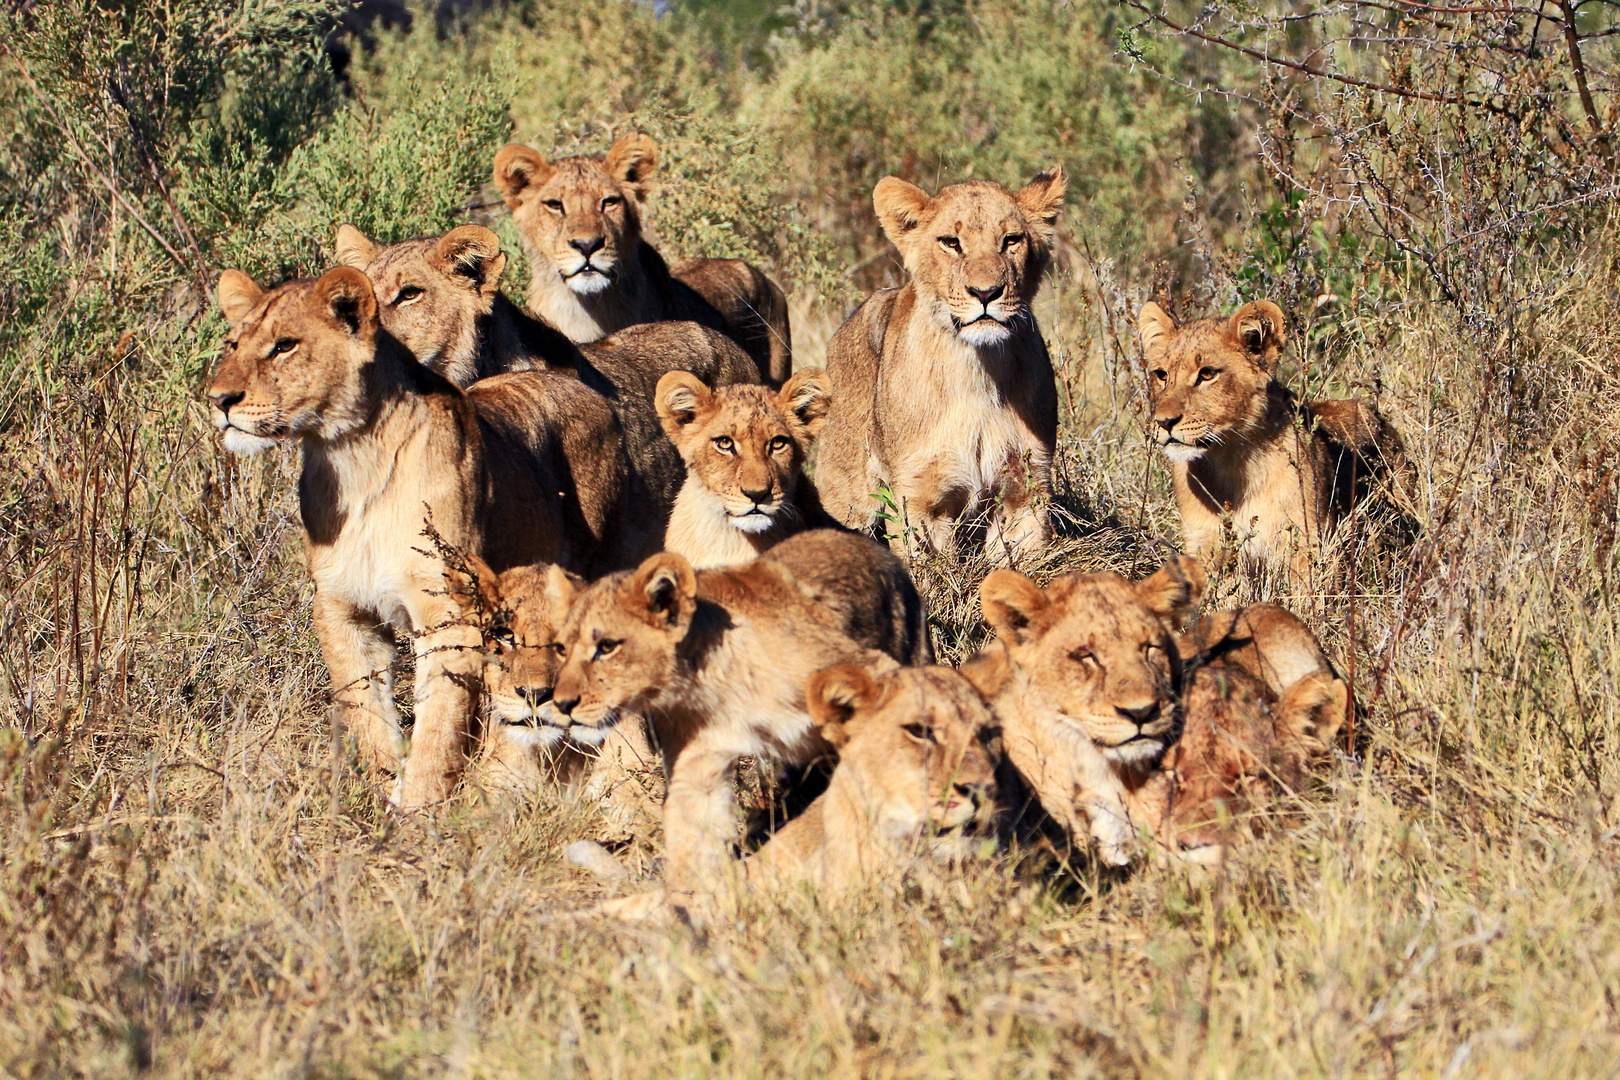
(592, 274)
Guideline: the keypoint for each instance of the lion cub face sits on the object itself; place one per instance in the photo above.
(976, 250)
(1100, 651)
(617, 645)
(518, 612)
(295, 359)
(579, 216)
(912, 741)
(745, 445)
(430, 293)
(1207, 380)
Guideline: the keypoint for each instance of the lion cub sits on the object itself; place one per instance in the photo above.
(1117, 734)
(389, 445)
(912, 759)
(441, 298)
(943, 391)
(717, 660)
(593, 274)
(1241, 444)
(744, 448)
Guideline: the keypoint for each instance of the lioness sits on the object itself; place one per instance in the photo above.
(744, 448)
(718, 660)
(387, 445)
(1240, 443)
(912, 757)
(593, 274)
(1113, 731)
(942, 390)
(440, 297)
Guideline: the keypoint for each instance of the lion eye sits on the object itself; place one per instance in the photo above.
(554, 205)
(407, 294)
(1011, 241)
(503, 638)
(1160, 375)
(606, 648)
(951, 243)
(724, 444)
(778, 444)
(1208, 373)
(558, 648)
(1084, 656)
(920, 732)
(611, 201)
(284, 346)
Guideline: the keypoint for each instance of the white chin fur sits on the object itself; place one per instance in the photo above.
(589, 283)
(532, 738)
(1183, 452)
(1136, 752)
(984, 333)
(752, 523)
(240, 442)
(587, 736)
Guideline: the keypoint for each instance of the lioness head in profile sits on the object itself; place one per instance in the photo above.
(431, 293)
(1101, 651)
(976, 250)
(1207, 380)
(518, 612)
(580, 216)
(295, 359)
(912, 745)
(745, 446)
(617, 646)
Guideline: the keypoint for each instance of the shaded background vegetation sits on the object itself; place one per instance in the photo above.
(191, 881)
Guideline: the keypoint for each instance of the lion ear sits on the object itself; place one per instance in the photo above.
(834, 696)
(237, 295)
(679, 398)
(1154, 326)
(353, 247)
(1042, 199)
(1261, 330)
(1175, 589)
(518, 168)
(561, 589)
(472, 253)
(346, 297)
(807, 397)
(1011, 603)
(474, 587)
(900, 207)
(662, 592)
(632, 161)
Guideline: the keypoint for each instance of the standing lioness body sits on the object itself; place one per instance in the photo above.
(942, 390)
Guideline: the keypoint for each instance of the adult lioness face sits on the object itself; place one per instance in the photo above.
(976, 250)
(1100, 650)
(294, 359)
(1207, 380)
(746, 445)
(617, 645)
(580, 216)
(916, 739)
(431, 293)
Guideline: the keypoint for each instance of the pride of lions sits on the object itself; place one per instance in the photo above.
(628, 554)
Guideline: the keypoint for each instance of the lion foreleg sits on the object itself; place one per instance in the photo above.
(358, 654)
(448, 684)
(699, 819)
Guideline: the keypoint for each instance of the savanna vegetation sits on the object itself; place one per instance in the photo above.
(195, 881)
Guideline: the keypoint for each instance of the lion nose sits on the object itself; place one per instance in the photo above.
(1167, 422)
(1140, 716)
(223, 402)
(536, 696)
(757, 496)
(978, 794)
(587, 247)
(565, 705)
(987, 296)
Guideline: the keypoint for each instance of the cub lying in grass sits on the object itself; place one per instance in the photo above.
(1117, 734)
(718, 661)
(912, 758)
(387, 445)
